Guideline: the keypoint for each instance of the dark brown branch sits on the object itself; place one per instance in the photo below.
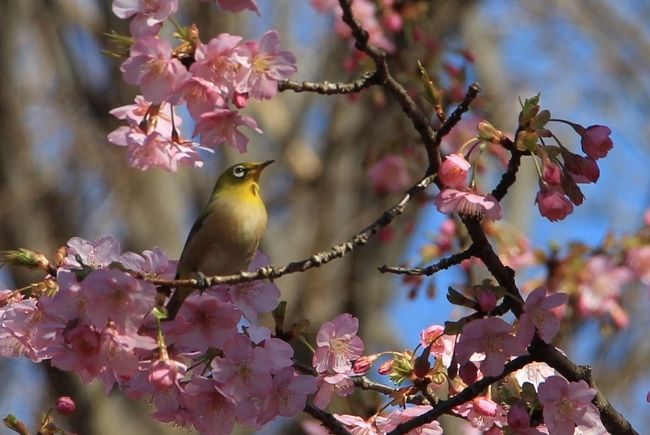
(504, 275)
(613, 421)
(445, 263)
(326, 88)
(469, 393)
(328, 420)
(509, 177)
(420, 121)
(316, 260)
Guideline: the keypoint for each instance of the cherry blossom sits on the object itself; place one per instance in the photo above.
(467, 203)
(210, 409)
(595, 141)
(442, 345)
(96, 254)
(288, 395)
(243, 370)
(148, 14)
(152, 67)
(553, 204)
(221, 126)
(492, 337)
(338, 344)
(204, 321)
(535, 373)
(519, 421)
(482, 413)
(538, 316)
(118, 297)
(567, 404)
(453, 172)
(215, 62)
(263, 65)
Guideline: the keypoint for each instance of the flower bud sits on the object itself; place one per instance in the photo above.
(65, 405)
(363, 364)
(468, 373)
(488, 133)
(595, 141)
(385, 367)
(518, 416)
(487, 299)
(551, 173)
(26, 258)
(453, 172)
(553, 205)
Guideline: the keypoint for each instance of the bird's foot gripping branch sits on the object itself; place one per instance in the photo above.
(134, 322)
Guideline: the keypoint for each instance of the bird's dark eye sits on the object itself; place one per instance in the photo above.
(239, 171)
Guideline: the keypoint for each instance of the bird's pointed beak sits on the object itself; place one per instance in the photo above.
(260, 167)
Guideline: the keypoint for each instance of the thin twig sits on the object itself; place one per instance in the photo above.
(326, 88)
(316, 260)
(445, 263)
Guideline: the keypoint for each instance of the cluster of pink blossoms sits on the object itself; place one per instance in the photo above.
(215, 80)
(558, 186)
(97, 321)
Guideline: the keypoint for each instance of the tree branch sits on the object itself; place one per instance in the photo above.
(327, 419)
(445, 263)
(316, 260)
(326, 88)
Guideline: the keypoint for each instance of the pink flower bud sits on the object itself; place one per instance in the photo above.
(385, 368)
(518, 416)
(553, 205)
(65, 405)
(468, 373)
(240, 100)
(552, 173)
(363, 364)
(162, 375)
(453, 172)
(487, 300)
(582, 169)
(596, 142)
(485, 406)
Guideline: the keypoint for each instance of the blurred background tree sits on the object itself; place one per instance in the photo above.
(60, 178)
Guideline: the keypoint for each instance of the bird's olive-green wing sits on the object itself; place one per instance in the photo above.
(198, 223)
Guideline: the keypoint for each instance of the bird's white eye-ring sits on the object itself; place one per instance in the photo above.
(239, 171)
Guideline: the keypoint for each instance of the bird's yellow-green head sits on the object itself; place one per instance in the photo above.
(241, 178)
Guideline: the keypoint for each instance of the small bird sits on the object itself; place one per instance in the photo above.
(225, 236)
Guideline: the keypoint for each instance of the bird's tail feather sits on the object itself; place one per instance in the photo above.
(175, 303)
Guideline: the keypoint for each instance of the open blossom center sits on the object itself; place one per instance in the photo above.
(261, 63)
(566, 408)
(244, 371)
(157, 66)
(339, 347)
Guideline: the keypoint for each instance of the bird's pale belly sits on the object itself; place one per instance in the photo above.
(221, 252)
